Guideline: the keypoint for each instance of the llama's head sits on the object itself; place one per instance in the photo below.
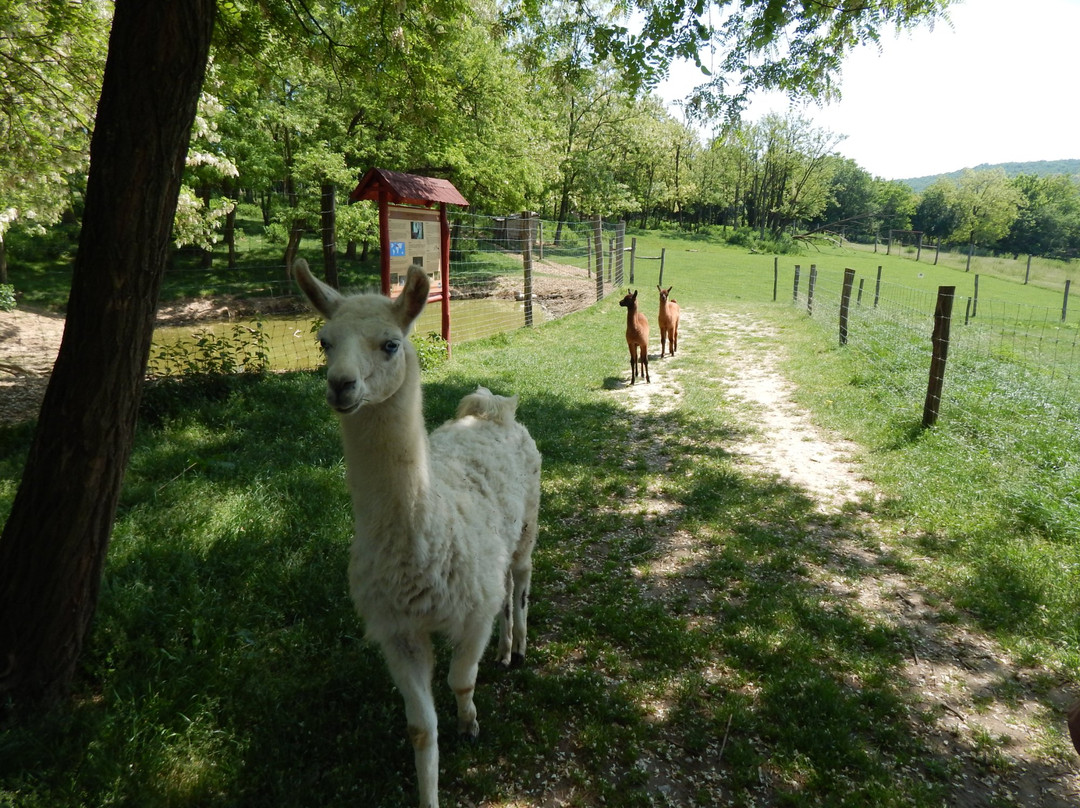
(664, 293)
(365, 338)
(630, 300)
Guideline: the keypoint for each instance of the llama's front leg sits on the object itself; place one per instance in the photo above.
(464, 664)
(411, 661)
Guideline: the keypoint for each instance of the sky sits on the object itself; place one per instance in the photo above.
(997, 86)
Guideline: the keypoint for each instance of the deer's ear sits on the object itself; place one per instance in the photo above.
(413, 297)
(325, 299)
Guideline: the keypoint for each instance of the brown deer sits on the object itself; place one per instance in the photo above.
(668, 320)
(637, 336)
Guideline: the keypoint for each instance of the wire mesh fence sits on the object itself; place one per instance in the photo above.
(228, 319)
(1011, 385)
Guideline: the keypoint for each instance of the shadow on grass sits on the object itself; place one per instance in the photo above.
(680, 650)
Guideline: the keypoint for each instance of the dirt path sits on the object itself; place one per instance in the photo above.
(988, 710)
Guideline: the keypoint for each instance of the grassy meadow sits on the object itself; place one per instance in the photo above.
(227, 668)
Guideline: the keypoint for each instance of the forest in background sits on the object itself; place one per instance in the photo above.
(543, 107)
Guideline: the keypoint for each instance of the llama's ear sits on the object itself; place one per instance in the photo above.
(324, 298)
(658, 288)
(413, 297)
(635, 294)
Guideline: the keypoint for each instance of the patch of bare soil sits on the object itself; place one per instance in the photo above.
(560, 289)
(985, 710)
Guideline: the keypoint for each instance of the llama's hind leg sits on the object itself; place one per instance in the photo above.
(411, 661)
(520, 597)
(506, 623)
(464, 664)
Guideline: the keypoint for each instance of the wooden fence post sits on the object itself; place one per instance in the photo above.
(877, 288)
(975, 299)
(526, 262)
(858, 300)
(663, 253)
(845, 303)
(795, 289)
(940, 340)
(633, 255)
(1027, 272)
(810, 290)
(1065, 302)
(598, 239)
(775, 275)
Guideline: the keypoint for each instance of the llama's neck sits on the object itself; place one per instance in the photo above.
(386, 457)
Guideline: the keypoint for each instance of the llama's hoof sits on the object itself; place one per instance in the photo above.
(469, 733)
(516, 661)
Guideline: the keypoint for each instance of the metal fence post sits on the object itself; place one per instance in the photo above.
(526, 262)
(598, 249)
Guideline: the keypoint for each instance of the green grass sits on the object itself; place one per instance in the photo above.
(226, 665)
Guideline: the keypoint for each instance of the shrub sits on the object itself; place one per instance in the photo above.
(7, 297)
(244, 349)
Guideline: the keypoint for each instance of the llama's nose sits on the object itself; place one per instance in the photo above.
(340, 390)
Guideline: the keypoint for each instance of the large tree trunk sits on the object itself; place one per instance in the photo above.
(53, 547)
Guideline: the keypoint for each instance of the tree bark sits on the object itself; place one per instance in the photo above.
(53, 546)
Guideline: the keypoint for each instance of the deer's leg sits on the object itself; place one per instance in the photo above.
(411, 660)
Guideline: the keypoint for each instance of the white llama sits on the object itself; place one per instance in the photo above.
(444, 525)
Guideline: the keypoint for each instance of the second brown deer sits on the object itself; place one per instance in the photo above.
(637, 337)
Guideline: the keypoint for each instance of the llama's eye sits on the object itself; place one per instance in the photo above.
(391, 347)
(324, 344)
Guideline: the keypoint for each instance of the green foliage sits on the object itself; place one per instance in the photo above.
(431, 349)
(7, 297)
(226, 664)
(242, 349)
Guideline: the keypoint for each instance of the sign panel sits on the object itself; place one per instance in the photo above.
(415, 238)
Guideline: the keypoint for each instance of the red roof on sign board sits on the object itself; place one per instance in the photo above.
(406, 189)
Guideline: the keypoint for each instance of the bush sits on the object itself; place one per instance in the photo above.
(244, 349)
(7, 297)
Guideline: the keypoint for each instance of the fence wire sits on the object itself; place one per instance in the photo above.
(1011, 386)
(251, 317)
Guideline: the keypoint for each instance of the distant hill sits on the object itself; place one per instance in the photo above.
(1040, 168)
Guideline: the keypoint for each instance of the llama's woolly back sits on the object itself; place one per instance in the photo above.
(485, 404)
